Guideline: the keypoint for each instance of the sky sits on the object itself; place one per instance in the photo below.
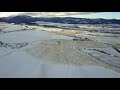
(105, 15)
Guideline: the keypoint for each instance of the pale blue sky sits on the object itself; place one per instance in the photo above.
(106, 15)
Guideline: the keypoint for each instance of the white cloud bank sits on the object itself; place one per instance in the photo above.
(45, 14)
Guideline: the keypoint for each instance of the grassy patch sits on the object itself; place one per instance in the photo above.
(70, 33)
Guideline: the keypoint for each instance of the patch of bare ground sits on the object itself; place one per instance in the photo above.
(70, 33)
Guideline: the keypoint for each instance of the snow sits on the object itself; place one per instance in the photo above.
(102, 38)
(4, 51)
(113, 58)
(29, 36)
(20, 65)
(13, 27)
(16, 63)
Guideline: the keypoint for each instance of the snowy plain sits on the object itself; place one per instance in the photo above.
(16, 63)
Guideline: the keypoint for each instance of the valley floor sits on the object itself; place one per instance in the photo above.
(35, 53)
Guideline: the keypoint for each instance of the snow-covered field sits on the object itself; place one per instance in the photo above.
(102, 37)
(18, 63)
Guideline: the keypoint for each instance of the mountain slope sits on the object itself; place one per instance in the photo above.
(68, 20)
(2, 20)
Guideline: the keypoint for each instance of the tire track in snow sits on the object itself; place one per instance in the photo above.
(6, 54)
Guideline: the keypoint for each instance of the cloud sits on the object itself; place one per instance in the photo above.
(46, 14)
(5, 14)
(55, 14)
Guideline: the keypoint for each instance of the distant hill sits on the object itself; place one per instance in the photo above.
(3, 20)
(68, 20)
(20, 19)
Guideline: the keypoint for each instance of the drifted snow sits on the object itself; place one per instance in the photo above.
(29, 36)
(18, 64)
